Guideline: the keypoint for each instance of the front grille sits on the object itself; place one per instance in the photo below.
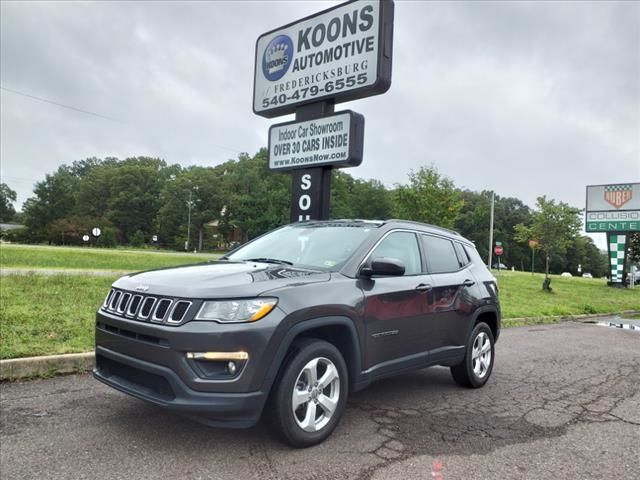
(146, 307)
(144, 382)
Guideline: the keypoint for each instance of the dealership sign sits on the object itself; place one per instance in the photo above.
(340, 54)
(334, 140)
(613, 208)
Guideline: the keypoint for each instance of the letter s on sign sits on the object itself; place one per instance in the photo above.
(306, 182)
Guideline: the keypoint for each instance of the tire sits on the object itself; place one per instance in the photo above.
(476, 368)
(319, 410)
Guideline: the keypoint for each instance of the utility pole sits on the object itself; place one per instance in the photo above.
(186, 244)
(491, 231)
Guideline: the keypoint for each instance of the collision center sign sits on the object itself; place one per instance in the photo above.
(334, 140)
(613, 208)
(341, 54)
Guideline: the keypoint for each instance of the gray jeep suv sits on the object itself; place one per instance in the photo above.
(297, 319)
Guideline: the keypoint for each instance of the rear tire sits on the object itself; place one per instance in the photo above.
(476, 368)
(310, 394)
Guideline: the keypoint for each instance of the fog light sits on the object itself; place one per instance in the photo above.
(231, 367)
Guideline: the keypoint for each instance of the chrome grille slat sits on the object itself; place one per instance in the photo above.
(124, 301)
(172, 318)
(134, 306)
(161, 311)
(151, 301)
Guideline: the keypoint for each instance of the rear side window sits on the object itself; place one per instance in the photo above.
(441, 254)
(403, 246)
(463, 258)
(473, 255)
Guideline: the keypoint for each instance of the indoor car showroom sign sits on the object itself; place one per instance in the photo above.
(334, 140)
(613, 208)
(340, 54)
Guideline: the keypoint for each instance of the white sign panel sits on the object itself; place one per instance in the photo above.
(620, 196)
(342, 53)
(613, 208)
(333, 140)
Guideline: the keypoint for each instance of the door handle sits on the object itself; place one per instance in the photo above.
(468, 283)
(424, 287)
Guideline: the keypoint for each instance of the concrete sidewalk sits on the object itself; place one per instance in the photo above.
(61, 271)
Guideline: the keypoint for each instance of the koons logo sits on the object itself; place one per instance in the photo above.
(277, 57)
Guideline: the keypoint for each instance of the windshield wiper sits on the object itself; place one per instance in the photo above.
(268, 260)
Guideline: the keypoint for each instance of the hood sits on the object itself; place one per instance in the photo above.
(221, 279)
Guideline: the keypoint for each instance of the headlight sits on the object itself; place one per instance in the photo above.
(236, 311)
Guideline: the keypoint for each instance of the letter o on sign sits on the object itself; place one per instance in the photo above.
(305, 202)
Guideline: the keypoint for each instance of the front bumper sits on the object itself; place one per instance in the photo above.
(149, 361)
(161, 386)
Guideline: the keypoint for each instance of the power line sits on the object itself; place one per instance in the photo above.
(40, 99)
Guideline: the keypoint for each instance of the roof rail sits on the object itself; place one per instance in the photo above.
(436, 227)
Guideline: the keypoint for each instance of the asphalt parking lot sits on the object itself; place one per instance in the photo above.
(563, 402)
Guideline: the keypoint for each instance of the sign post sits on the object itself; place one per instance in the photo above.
(306, 67)
(614, 209)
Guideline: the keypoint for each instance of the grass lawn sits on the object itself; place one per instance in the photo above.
(35, 256)
(521, 295)
(41, 315)
(44, 315)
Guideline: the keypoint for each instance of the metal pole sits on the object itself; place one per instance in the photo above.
(491, 231)
(189, 223)
(533, 258)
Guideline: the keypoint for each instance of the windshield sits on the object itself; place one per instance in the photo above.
(326, 245)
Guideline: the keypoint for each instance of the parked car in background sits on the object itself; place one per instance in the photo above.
(587, 275)
(501, 265)
(566, 274)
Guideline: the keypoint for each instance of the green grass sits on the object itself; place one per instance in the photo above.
(42, 315)
(521, 295)
(30, 256)
(45, 315)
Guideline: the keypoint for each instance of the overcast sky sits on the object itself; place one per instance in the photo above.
(522, 98)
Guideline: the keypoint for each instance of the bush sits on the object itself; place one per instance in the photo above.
(108, 238)
(137, 239)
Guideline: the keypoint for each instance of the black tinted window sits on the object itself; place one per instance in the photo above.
(440, 253)
(403, 246)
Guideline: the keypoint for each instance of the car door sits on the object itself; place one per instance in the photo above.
(395, 306)
(451, 301)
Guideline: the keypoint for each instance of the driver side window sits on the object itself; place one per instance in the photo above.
(404, 247)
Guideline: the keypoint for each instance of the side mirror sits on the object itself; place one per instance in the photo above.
(384, 266)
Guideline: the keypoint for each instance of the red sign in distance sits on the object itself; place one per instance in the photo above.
(498, 250)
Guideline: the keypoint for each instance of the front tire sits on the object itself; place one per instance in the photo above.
(476, 368)
(310, 396)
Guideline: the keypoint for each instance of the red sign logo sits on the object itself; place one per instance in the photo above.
(618, 195)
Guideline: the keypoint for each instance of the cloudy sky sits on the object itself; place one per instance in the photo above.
(522, 98)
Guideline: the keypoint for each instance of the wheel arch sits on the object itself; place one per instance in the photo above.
(491, 317)
(339, 331)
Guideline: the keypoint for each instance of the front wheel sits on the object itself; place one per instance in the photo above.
(475, 369)
(311, 394)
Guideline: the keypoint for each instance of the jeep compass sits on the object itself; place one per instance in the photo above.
(298, 318)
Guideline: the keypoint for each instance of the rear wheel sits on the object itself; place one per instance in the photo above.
(475, 369)
(310, 396)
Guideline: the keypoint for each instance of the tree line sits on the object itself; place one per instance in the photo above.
(136, 199)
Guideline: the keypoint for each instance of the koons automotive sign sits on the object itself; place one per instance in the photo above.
(342, 53)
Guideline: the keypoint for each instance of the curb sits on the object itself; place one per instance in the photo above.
(47, 366)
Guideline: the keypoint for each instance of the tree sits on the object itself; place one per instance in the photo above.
(137, 239)
(429, 197)
(634, 248)
(55, 198)
(7, 199)
(554, 226)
